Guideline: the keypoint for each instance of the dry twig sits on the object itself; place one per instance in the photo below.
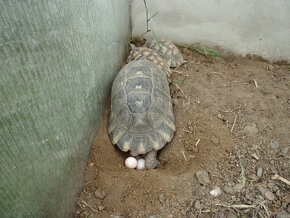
(190, 205)
(285, 198)
(197, 142)
(260, 215)
(177, 86)
(216, 73)
(187, 131)
(178, 72)
(234, 124)
(87, 183)
(256, 84)
(265, 208)
(246, 206)
(277, 177)
(205, 211)
(85, 203)
(230, 111)
(237, 206)
(182, 152)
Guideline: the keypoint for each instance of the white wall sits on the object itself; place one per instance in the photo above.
(260, 27)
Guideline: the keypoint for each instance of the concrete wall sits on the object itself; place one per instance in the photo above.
(57, 63)
(260, 27)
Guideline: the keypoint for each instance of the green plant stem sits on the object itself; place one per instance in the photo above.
(148, 30)
(242, 161)
(147, 20)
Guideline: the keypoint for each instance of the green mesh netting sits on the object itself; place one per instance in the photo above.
(57, 62)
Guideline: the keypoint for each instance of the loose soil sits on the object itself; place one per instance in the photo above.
(232, 122)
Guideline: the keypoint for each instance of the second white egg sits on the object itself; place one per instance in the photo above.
(141, 164)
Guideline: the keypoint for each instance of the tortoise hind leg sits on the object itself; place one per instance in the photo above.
(151, 161)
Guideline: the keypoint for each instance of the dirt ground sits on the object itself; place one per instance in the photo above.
(232, 137)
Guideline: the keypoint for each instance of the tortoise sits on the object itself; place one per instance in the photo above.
(170, 52)
(141, 119)
(142, 53)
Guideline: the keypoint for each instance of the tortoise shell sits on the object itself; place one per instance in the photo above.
(170, 51)
(141, 116)
(142, 53)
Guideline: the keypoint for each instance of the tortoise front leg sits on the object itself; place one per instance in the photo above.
(151, 161)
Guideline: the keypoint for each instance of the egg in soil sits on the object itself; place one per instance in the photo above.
(131, 162)
(141, 164)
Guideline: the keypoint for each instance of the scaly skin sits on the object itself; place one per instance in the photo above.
(151, 161)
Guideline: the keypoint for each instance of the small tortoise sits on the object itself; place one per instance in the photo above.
(142, 53)
(170, 51)
(141, 119)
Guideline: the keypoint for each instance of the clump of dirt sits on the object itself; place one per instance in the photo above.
(232, 120)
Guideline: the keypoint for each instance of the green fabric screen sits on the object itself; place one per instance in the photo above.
(58, 59)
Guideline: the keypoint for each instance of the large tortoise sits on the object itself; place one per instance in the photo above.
(141, 119)
(142, 53)
(170, 52)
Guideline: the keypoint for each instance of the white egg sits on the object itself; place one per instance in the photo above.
(141, 164)
(131, 162)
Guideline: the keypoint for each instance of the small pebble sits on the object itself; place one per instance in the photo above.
(219, 116)
(202, 177)
(187, 51)
(249, 197)
(197, 205)
(231, 215)
(271, 185)
(161, 198)
(153, 216)
(238, 186)
(258, 201)
(175, 101)
(274, 145)
(214, 140)
(284, 205)
(183, 212)
(271, 67)
(229, 190)
(251, 130)
(287, 199)
(259, 171)
(255, 156)
(260, 197)
(266, 193)
(101, 208)
(278, 193)
(285, 150)
(216, 191)
(275, 188)
(282, 214)
(220, 215)
(270, 196)
(98, 194)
